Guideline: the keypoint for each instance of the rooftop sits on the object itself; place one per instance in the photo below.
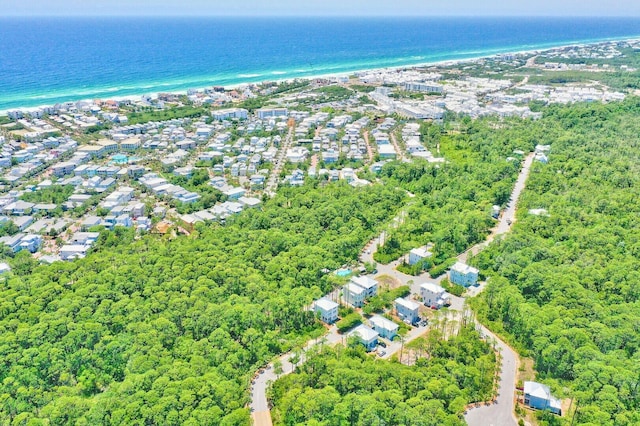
(464, 268)
(364, 282)
(382, 322)
(365, 333)
(326, 304)
(407, 303)
(433, 288)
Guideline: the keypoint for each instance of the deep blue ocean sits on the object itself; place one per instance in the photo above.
(49, 60)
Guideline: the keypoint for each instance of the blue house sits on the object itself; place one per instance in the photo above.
(538, 396)
(463, 275)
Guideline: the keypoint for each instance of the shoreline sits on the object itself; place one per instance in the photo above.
(441, 63)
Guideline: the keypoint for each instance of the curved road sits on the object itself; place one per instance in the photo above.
(498, 414)
(501, 413)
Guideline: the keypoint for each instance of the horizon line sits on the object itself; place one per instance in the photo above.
(9, 16)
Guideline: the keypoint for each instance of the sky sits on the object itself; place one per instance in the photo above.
(320, 7)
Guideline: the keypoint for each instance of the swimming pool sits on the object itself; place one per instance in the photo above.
(120, 159)
(343, 272)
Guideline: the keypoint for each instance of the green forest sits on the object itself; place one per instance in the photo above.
(452, 203)
(152, 329)
(565, 287)
(345, 386)
(155, 330)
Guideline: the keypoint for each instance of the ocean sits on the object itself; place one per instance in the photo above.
(48, 60)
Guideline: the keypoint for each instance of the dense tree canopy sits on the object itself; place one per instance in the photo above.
(345, 386)
(152, 331)
(566, 285)
(453, 201)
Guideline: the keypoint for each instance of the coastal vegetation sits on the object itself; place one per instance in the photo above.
(563, 286)
(339, 385)
(169, 330)
(452, 203)
(57, 194)
(152, 114)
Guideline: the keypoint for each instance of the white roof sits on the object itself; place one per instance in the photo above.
(541, 391)
(407, 303)
(463, 268)
(433, 288)
(367, 334)
(74, 248)
(364, 282)
(421, 252)
(386, 149)
(326, 304)
(352, 288)
(383, 323)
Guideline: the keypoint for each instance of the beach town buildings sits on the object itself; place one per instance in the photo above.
(407, 310)
(384, 327)
(368, 284)
(353, 294)
(230, 113)
(327, 309)
(366, 336)
(419, 254)
(462, 274)
(433, 295)
(265, 113)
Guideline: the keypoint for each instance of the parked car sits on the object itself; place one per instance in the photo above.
(381, 343)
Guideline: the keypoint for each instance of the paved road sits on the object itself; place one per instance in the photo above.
(508, 217)
(279, 162)
(260, 411)
(499, 414)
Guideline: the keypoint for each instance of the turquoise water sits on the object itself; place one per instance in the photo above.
(48, 60)
(343, 272)
(120, 159)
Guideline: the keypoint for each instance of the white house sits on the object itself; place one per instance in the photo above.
(419, 254)
(73, 251)
(433, 295)
(328, 310)
(369, 285)
(353, 294)
(462, 274)
(423, 87)
(85, 238)
(407, 310)
(225, 114)
(367, 336)
(384, 327)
